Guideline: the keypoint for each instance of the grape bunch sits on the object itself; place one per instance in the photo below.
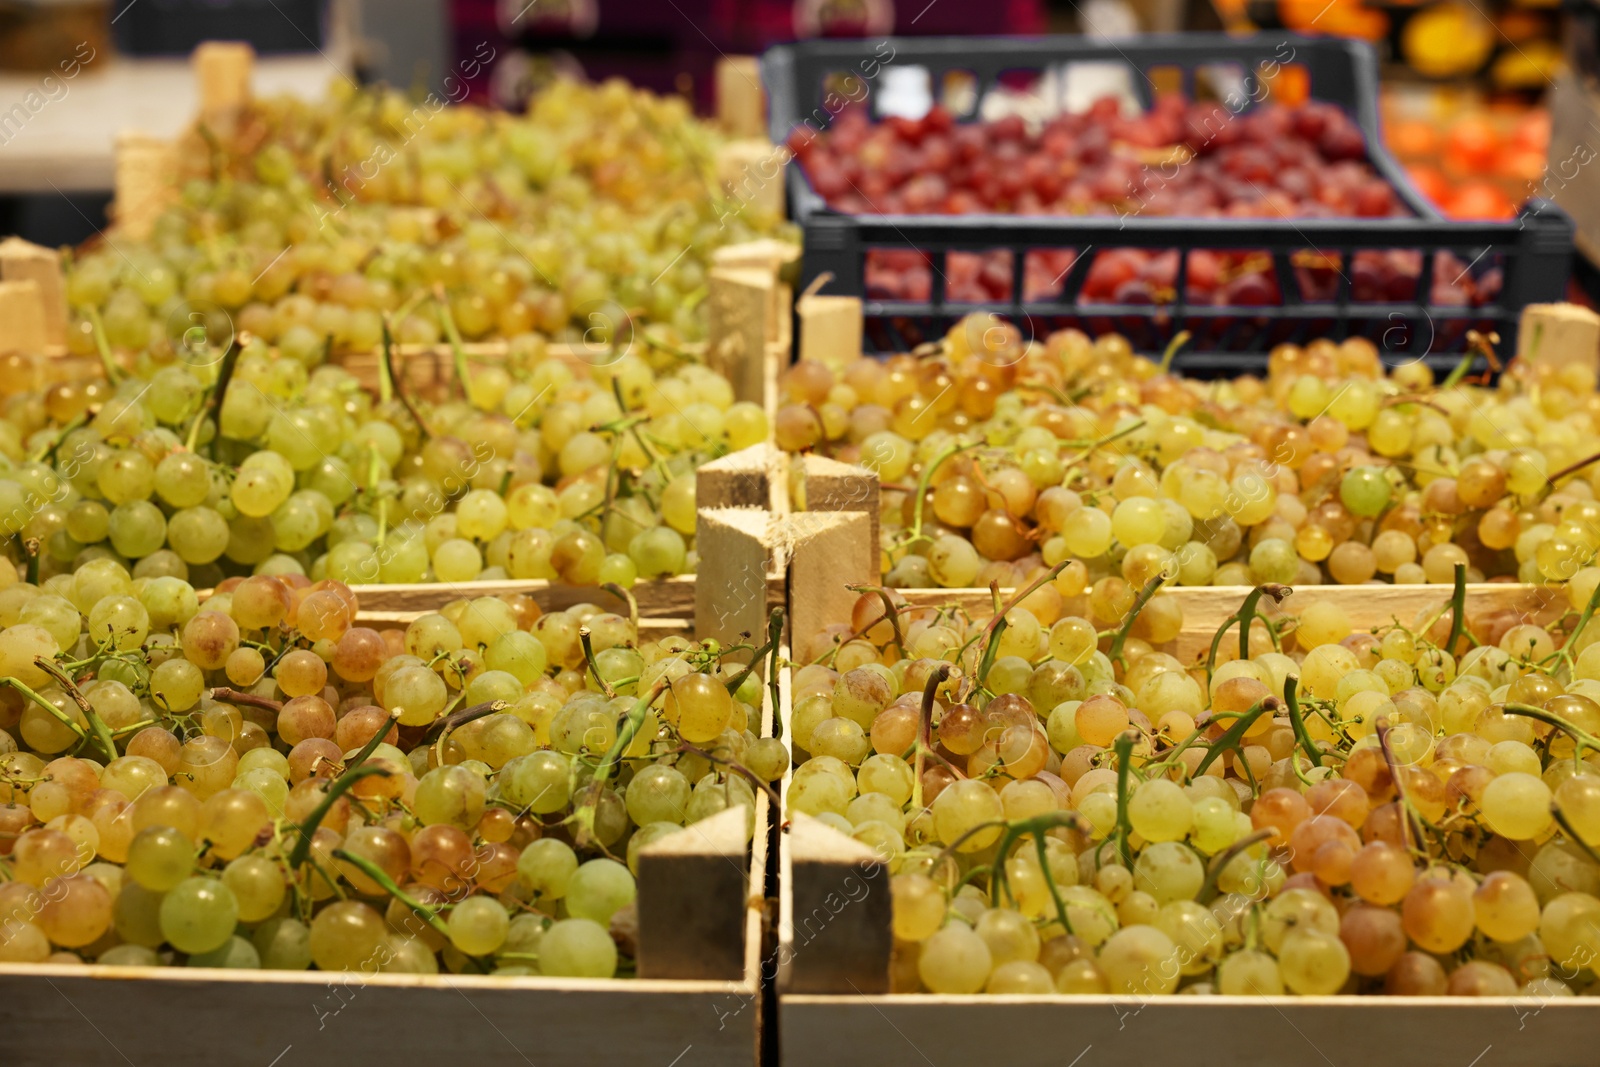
(1413, 811)
(535, 467)
(1001, 458)
(595, 211)
(1179, 159)
(261, 781)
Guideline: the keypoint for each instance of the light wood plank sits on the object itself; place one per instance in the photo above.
(737, 554)
(1106, 1031)
(144, 169)
(24, 261)
(741, 100)
(823, 484)
(830, 328)
(22, 317)
(1559, 334)
(112, 1017)
(835, 913)
(223, 70)
(828, 552)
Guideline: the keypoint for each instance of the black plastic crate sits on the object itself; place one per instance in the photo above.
(1315, 264)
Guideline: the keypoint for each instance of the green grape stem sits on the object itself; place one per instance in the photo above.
(1410, 825)
(1572, 835)
(923, 481)
(102, 346)
(1139, 603)
(1219, 862)
(625, 736)
(102, 733)
(1297, 720)
(30, 552)
(336, 789)
(1244, 617)
(427, 914)
(1123, 746)
(219, 393)
(453, 335)
(1233, 737)
(395, 381)
(1458, 609)
(891, 613)
(1581, 736)
(623, 595)
(936, 678)
(594, 668)
(1179, 339)
(60, 716)
(374, 741)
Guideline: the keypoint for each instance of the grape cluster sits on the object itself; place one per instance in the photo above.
(545, 468)
(1001, 458)
(1180, 159)
(594, 211)
(260, 781)
(1311, 810)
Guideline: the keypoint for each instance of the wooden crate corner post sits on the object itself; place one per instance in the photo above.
(145, 166)
(742, 479)
(735, 547)
(830, 326)
(223, 70)
(750, 173)
(743, 307)
(22, 317)
(823, 484)
(1559, 334)
(741, 100)
(835, 930)
(827, 552)
(23, 261)
(693, 894)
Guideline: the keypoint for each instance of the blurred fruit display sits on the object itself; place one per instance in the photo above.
(1470, 159)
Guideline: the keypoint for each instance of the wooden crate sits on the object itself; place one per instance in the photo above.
(698, 1000)
(834, 940)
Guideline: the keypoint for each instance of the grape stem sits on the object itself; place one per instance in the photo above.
(1583, 737)
(1139, 602)
(1561, 820)
(997, 623)
(394, 379)
(627, 598)
(453, 335)
(1219, 862)
(234, 696)
(1179, 339)
(936, 678)
(1037, 826)
(1244, 617)
(1458, 609)
(429, 915)
(103, 346)
(219, 392)
(48, 452)
(60, 716)
(1291, 686)
(891, 613)
(1412, 832)
(448, 724)
(1123, 746)
(625, 736)
(593, 667)
(102, 733)
(374, 741)
(1571, 468)
(922, 487)
(30, 552)
(733, 765)
(1233, 737)
(336, 789)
